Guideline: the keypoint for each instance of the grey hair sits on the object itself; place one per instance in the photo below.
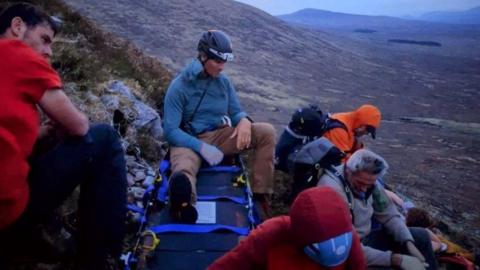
(367, 161)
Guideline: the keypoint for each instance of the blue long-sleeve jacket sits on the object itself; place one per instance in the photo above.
(183, 95)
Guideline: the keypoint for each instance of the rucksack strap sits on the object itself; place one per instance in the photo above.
(334, 123)
(186, 125)
(346, 187)
(296, 135)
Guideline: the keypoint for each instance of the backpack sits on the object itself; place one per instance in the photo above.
(306, 125)
(456, 261)
(310, 162)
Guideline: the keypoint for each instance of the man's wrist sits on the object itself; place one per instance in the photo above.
(396, 260)
(245, 119)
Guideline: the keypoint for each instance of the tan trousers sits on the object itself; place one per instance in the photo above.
(263, 145)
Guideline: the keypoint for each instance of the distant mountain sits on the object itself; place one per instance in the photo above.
(378, 30)
(471, 16)
(327, 19)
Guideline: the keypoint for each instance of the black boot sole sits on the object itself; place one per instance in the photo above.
(181, 208)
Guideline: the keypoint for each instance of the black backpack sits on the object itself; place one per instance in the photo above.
(306, 125)
(310, 162)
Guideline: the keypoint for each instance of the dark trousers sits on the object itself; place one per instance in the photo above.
(381, 240)
(95, 162)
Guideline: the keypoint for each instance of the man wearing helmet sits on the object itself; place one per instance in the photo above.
(204, 121)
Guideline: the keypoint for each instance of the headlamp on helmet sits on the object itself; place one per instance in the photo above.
(216, 45)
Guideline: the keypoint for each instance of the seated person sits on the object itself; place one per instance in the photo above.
(364, 120)
(395, 245)
(33, 185)
(318, 234)
(204, 121)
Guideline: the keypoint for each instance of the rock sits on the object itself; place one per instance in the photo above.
(112, 102)
(130, 158)
(148, 181)
(148, 119)
(130, 179)
(90, 97)
(140, 176)
(137, 192)
(120, 88)
(157, 130)
(272, 109)
(144, 117)
(151, 172)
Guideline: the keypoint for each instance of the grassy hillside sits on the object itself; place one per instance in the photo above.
(87, 56)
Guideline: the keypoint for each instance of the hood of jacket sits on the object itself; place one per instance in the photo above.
(318, 214)
(364, 115)
(367, 115)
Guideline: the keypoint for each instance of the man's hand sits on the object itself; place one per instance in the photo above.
(52, 130)
(413, 250)
(243, 131)
(211, 154)
(49, 136)
(406, 262)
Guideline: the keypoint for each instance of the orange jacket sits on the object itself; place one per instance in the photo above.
(316, 215)
(345, 139)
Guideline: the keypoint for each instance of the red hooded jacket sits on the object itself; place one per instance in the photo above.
(316, 215)
(345, 139)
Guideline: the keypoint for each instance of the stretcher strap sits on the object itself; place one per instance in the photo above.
(197, 228)
(232, 169)
(235, 199)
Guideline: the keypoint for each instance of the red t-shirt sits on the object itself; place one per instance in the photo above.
(24, 77)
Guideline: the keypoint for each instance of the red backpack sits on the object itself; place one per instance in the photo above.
(456, 261)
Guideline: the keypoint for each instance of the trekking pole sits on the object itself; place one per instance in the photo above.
(249, 192)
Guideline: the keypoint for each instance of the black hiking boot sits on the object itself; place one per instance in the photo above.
(180, 191)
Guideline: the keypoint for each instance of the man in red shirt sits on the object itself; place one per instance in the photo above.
(33, 185)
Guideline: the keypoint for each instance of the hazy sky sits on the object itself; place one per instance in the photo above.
(368, 7)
